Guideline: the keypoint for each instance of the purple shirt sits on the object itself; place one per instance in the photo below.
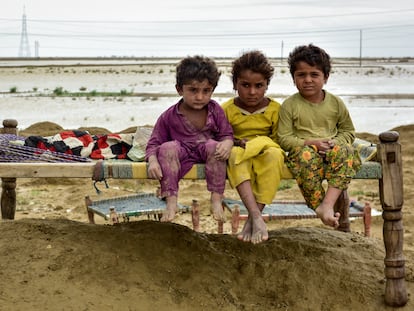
(173, 125)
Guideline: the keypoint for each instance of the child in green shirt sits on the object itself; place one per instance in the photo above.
(316, 130)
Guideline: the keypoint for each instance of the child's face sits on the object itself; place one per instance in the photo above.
(309, 81)
(196, 94)
(251, 87)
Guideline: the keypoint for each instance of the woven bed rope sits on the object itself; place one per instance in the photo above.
(12, 149)
(132, 205)
(150, 204)
(288, 209)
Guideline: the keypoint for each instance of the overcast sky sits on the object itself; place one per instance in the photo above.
(220, 28)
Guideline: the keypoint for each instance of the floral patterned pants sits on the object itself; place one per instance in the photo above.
(309, 168)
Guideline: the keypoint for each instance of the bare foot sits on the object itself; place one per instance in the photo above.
(259, 230)
(169, 214)
(254, 230)
(246, 234)
(328, 216)
(217, 207)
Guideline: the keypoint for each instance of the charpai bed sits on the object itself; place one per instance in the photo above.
(387, 170)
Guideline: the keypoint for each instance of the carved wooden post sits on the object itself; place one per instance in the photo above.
(220, 228)
(235, 219)
(367, 219)
(391, 195)
(195, 215)
(8, 193)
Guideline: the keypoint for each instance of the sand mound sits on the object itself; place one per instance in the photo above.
(149, 265)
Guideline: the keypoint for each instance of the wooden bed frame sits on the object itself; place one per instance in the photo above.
(388, 172)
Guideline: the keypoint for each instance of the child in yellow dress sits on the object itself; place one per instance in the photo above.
(256, 160)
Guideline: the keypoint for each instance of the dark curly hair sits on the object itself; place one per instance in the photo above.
(255, 61)
(197, 68)
(312, 55)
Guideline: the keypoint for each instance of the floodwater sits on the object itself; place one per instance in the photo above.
(380, 115)
(379, 96)
(369, 115)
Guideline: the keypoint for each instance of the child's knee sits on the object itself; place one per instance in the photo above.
(168, 152)
(211, 146)
(169, 147)
(274, 154)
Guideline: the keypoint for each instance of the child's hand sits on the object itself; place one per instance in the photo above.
(154, 168)
(223, 150)
(324, 146)
(241, 142)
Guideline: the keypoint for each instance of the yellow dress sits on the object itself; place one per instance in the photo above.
(262, 160)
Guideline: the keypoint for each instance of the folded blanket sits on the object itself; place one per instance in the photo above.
(81, 143)
(139, 144)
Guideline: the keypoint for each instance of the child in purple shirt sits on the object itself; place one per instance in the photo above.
(194, 130)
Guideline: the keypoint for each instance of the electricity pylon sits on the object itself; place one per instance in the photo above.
(24, 50)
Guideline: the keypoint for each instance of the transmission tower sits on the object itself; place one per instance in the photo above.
(24, 50)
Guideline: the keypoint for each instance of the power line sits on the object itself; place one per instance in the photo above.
(209, 35)
(73, 34)
(236, 20)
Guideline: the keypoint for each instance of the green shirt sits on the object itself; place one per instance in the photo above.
(300, 120)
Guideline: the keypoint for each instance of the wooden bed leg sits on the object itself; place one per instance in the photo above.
(220, 227)
(195, 215)
(8, 198)
(391, 195)
(342, 206)
(91, 215)
(235, 219)
(367, 219)
(8, 194)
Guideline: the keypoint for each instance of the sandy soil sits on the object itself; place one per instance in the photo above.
(53, 259)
